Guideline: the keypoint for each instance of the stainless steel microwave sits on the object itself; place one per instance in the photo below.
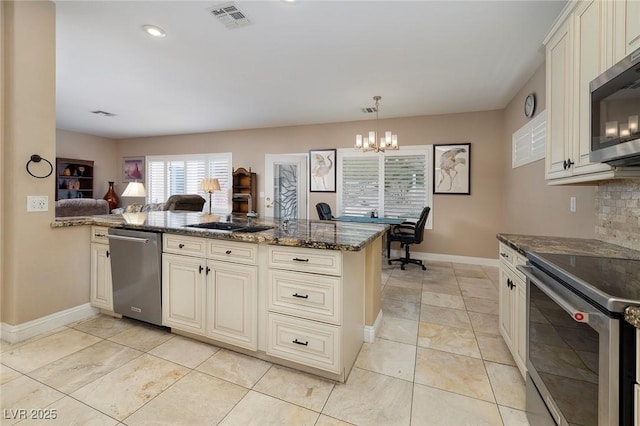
(615, 108)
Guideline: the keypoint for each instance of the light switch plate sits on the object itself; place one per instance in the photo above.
(37, 203)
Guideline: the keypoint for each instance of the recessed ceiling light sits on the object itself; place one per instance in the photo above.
(154, 31)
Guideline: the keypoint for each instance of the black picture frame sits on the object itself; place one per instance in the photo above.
(452, 169)
(322, 170)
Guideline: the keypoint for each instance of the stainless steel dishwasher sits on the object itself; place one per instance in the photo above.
(136, 271)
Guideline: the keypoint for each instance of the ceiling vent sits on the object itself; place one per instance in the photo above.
(230, 15)
(103, 113)
(369, 110)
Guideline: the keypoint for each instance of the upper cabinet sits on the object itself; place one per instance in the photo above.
(626, 32)
(74, 178)
(589, 37)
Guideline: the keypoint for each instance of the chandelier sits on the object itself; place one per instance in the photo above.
(388, 141)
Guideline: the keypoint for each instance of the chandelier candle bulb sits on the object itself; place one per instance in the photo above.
(611, 129)
(624, 131)
(387, 138)
(358, 141)
(394, 142)
(633, 124)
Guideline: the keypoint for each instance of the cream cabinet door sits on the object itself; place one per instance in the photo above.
(558, 91)
(232, 304)
(101, 287)
(632, 16)
(589, 55)
(183, 281)
(506, 307)
(520, 325)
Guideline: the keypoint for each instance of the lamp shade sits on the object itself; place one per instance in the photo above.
(134, 189)
(210, 185)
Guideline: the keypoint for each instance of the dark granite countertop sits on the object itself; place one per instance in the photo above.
(582, 246)
(326, 235)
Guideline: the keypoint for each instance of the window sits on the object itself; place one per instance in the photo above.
(182, 174)
(529, 142)
(396, 183)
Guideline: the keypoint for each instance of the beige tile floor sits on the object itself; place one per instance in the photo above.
(438, 360)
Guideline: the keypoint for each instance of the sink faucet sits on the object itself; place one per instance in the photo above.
(249, 198)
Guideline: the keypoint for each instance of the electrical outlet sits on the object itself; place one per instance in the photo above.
(572, 204)
(37, 203)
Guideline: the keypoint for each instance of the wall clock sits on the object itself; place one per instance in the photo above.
(530, 105)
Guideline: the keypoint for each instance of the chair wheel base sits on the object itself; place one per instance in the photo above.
(406, 261)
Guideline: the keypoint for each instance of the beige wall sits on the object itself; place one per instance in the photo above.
(44, 270)
(531, 206)
(463, 225)
(101, 150)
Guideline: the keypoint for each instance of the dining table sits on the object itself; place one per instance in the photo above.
(380, 220)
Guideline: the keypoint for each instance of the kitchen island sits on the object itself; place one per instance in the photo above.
(305, 294)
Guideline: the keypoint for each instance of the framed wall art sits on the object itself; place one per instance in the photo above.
(322, 170)
(133, 169)
(452, 169)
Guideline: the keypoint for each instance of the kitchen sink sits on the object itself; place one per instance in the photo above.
(228, 226)
(222, 226)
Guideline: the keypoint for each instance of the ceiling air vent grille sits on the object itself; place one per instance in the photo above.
(230, 15)
(369, 110)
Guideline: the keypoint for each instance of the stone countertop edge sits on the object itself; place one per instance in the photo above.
(579, 246)
(324, 235)
(524, 244)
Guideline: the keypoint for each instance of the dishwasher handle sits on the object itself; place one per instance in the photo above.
(125, 238)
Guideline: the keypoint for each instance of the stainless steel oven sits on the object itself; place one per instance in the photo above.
(580, 352)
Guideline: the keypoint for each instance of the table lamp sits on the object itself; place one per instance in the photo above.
(210, 185)
(134, 189)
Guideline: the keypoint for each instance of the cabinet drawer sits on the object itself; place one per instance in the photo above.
(507, 254)
(232, 251)
(99, 234)
(306, 260)
(303, 341)
(304, 295)
(180, 244)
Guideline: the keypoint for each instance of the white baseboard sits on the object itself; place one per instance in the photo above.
(17, 333)
(370, 331)
(448, 258)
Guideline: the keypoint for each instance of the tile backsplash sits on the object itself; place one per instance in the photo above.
(618, 212)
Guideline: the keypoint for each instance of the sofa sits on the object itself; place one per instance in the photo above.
(80, 207)
(184, 202)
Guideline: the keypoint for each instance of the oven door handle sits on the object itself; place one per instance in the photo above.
(578, 315)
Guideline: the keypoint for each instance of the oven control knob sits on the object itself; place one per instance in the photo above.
(581, 317)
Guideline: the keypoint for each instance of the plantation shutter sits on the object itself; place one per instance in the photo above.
(405, 185)
(360, 185)
(156, 179)
(183, 174)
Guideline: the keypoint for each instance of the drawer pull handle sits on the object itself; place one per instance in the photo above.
(297, 342)
(180, 245)
(200, 269)
(504, 255)
(297, 259)
(228, 252)
(100, 235)
(301, 296)
(107, 253)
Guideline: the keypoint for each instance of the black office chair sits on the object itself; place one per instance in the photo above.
(324, 211)
(408, 233)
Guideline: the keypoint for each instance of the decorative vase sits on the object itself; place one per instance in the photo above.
(111, 197)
